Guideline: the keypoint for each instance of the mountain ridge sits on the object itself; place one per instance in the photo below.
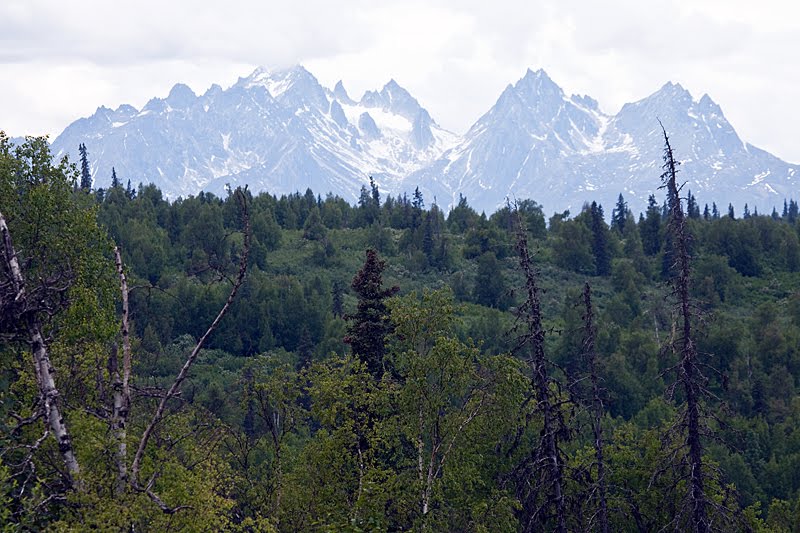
(281, 131)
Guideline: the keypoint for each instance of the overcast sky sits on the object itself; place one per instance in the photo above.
(61, 60)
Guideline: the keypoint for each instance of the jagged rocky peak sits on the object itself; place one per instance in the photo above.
(535, 95)
(340, 93)
(393, 98)
(585, 101)
(181, 96)
(709, 107)
(539, 86)
(671, 94)
(125, 110)
(294, 84)
(213, 91)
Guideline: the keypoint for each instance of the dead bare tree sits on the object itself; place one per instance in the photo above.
(540, 477)
(590, 355)
(699, 511)
(174, 389)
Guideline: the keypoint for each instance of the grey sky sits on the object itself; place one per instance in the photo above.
(59, 62)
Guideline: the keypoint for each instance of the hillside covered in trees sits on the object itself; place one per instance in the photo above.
(297, 363)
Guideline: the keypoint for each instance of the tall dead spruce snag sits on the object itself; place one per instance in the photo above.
(540, 477)
(698, 511)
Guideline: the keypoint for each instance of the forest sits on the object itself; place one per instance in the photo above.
(298, 363)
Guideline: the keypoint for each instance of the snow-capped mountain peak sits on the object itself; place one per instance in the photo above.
(280, 130)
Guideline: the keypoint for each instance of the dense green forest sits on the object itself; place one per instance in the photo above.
(389, 366)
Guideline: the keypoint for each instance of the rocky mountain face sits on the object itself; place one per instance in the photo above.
(282, 131)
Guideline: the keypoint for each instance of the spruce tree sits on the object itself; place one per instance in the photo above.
(650, 228)
(692, 209)
(114, 179)
(600, 238)
(368, 327)
(86, 175)
(619, 215)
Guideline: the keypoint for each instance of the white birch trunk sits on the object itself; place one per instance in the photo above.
(44, 368)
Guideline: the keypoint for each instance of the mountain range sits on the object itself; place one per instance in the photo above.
(281, 131)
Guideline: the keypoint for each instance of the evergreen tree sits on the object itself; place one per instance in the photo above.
(730, 211)
(791, 215)
(368, 327)
(86, 174)
(462, 216)
(706, 213)
(600, 240)
(114, 179)
(130, 192)
(418, 202)
(619, 215)
(427, 238)
(746, 212)
(650, 228)
(714, 210)
(337, 299)
(692, 209)
(366, 207)
(375, 193)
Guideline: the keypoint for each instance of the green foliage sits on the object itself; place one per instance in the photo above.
(280, 430)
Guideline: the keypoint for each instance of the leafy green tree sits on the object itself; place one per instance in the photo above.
(449, 389)
(490, 287)
(572, 247)
(55, 276)
(313, 229)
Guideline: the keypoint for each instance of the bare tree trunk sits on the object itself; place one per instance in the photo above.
(45, 375)
(548, 450)
(277, 443)
(120, 385)
(688, 373)
(184, 372)
(597, 406)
